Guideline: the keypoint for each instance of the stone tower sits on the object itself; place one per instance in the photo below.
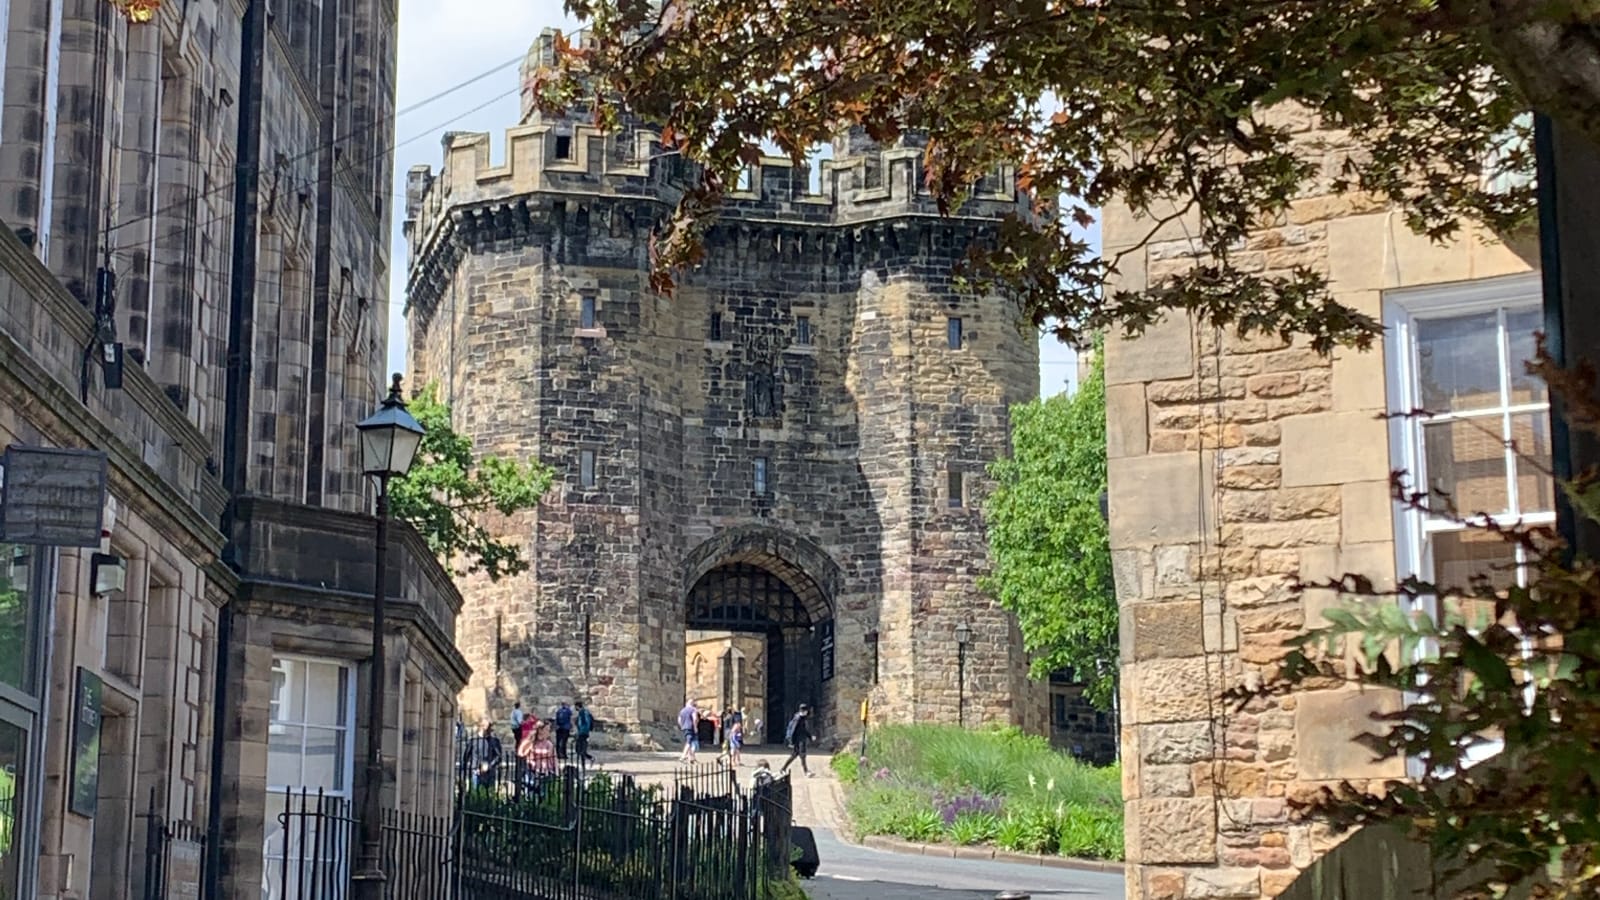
(793, 445)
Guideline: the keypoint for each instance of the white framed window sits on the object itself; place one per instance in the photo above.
(310, 767)
(1469, 426)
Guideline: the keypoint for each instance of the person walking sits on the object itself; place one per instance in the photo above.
(798, 737)
(735, 741)
(481, 760)
(563, 721)
(584, 722)
(517, 717)
(689, 723)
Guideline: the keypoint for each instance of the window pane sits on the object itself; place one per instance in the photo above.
(325, 694)
(16, 632)
(1458, 362)
(325, 759)
(283, 755)
(1536, 490)
(13, 749)
(953, 333)
(293, 707)
(1466, 465)
(1525, 388)
(1458, 557)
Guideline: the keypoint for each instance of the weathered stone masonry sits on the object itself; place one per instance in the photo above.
(813, 336)
(1235, 466)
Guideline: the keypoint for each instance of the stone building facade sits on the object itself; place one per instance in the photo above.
(794, 442)
(229, 166)
(1237, 465)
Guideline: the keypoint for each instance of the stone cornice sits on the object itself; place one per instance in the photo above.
(258, 596)
(325, 520)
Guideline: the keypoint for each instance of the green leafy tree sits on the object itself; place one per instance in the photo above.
(1182, 111)
(448, 494)
(1051, 551)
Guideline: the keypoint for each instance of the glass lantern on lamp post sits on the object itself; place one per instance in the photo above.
(390, 438)
(963, 640)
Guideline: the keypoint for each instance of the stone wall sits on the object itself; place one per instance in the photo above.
(122, 152)
(1237, 465)
(861, 415)
(705, 678)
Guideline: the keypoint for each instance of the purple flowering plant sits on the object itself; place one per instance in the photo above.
(965, 802)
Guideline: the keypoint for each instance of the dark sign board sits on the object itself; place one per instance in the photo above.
(86, 745)
(54, 498)
(825, 646)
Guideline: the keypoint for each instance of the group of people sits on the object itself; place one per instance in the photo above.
(725, 731)
(541, 745)
(728, 732)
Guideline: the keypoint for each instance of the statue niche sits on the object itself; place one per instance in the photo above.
(763, 391)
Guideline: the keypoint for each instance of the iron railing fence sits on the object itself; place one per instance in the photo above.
(174, 855)
(575, 838)
(712, 779)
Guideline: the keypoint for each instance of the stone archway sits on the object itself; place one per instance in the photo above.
(765, 598)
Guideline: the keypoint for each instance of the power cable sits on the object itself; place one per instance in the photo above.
(360, 131)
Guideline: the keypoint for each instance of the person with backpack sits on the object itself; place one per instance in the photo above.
(798, 739)
(584, 721)
(689, 724)
(563, 721)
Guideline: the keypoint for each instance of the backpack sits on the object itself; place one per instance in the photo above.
(564, 719)
(788, 736)
(585, 721)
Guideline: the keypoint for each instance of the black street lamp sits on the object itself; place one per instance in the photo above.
(963, 638)
(389, 441)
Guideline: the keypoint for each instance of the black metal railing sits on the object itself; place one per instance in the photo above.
(174, 855)
(712, 779)
(569, 837)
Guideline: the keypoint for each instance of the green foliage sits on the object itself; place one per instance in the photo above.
(1051, 549)
(847, 765)
(1208, 101)
(974, 828)
(1507, 658)
(937, 782)
(447, 495)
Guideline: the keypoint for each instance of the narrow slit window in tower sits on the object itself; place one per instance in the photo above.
(586, 311)
(957, 489)
(586, 468)
(953, 332)
(716, 326)
(802, 330)
(760, 474)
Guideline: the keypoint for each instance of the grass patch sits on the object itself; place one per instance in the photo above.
(942, 783)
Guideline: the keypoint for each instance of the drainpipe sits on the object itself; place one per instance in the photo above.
(236, 414)
(1569, 251)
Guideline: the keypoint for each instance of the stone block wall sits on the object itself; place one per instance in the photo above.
(1237, 465)
(861, 413)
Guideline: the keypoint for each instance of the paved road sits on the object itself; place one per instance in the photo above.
(849, 872)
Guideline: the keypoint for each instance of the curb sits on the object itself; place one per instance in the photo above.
(896, 845)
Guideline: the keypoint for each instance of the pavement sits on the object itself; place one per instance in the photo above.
(852, 872)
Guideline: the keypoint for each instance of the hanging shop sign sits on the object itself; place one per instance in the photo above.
(53, 498)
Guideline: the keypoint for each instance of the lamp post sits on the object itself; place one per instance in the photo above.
(389, 441)
(963, 638)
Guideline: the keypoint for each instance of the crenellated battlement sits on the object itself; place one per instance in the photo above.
(566, 159)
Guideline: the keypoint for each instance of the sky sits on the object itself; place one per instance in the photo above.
(441, 48)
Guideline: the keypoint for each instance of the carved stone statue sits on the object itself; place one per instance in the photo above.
(763, 395)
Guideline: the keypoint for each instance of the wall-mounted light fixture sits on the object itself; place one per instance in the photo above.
(108, 573)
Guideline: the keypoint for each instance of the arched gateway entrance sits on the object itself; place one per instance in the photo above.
(759, 629)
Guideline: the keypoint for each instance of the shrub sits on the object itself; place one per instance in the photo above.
(847, 766)
(931, 782)
(974, 828)
(924, 826)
